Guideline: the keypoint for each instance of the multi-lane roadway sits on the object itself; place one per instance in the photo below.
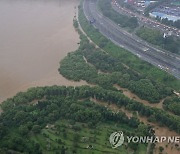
(146, 21)
(116, 34)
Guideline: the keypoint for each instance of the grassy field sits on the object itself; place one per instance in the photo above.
(78, 136)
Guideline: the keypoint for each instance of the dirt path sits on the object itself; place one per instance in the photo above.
(159, 131)
(131, 95)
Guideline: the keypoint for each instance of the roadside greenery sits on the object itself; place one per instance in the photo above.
(154, 5)
(112, 71)
(152, 36)
(122, 20)
(149, 9)
(156, 37)
(60, 119)
(127, 59)
(169, 22)
(128, 6)
(98, 67)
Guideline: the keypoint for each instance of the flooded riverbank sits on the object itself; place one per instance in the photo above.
(159, 131)
(35, 36)
(133, 96)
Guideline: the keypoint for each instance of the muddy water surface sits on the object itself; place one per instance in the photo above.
(34, 36)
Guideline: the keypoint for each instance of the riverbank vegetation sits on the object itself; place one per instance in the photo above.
(27, 115)
(106, 69)
(173, 105)
(56, 119)
(112, 70)
(73, 67)
(126, 58)
(98, 67)
(60, 119)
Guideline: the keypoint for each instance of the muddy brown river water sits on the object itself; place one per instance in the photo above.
(34, 36)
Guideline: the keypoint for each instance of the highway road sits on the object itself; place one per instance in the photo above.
(116, 34)
(146, 21)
